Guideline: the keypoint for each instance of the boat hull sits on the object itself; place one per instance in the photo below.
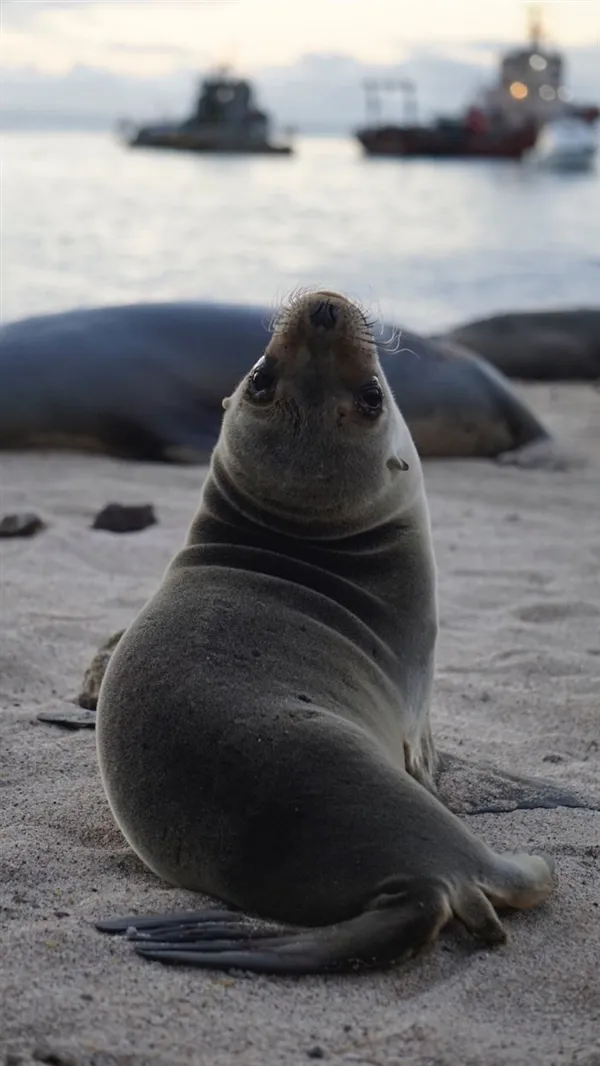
(567, 144)
(181, 142)
(454, 143)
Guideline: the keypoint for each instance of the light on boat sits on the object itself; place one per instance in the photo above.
(537, 62)
(547, 92)
(518, 90)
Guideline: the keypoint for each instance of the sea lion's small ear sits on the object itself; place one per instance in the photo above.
(225, 402)
(396, 463)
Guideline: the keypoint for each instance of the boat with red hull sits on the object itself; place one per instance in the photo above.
(447, 140)
(502, 123)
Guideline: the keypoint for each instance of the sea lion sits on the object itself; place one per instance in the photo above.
(263, 726)
(145, 381)
(537, 345)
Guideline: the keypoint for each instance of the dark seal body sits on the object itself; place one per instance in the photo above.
(537, 345)
(263, 726)
(145, 381)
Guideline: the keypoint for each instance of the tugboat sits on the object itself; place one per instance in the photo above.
(226, 119)
(503, 123)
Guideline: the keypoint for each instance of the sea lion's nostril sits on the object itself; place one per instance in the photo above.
(324, 315)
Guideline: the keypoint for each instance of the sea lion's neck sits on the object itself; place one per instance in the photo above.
(363, 573)
(225, 501)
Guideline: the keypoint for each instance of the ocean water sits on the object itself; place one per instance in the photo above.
(86, 221)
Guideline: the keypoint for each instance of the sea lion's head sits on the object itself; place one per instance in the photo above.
(313, 428)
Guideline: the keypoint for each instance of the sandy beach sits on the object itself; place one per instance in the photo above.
(518, 684)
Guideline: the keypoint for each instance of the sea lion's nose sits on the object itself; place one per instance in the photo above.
(325, 315)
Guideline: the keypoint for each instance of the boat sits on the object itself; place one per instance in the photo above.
(226, 119)
(565, 144)
(503, 122)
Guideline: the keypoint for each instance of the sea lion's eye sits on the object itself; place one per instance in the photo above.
(370, 399)
(262, 381)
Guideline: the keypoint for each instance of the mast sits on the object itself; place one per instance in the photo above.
(536, 26)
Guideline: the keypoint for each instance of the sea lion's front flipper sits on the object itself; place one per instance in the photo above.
(69, 718)
(74, 718)
(478, 788)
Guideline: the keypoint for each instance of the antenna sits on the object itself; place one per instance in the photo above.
(229, 60)
(536, 27)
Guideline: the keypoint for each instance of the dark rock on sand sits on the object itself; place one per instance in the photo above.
(125, 518)
(25, 524)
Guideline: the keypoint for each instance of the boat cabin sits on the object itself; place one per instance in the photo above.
(228, 103)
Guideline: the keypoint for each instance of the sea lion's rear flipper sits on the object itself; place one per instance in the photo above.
(405, 914)
(476, 788)
(403, 918)
(154, 923)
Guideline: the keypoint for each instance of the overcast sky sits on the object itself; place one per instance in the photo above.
(154, 37)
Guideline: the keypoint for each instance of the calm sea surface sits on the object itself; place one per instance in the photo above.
(86, 221)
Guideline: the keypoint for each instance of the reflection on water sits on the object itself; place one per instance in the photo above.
(86, 221)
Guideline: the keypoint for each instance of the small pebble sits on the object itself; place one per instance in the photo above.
(316, 1052)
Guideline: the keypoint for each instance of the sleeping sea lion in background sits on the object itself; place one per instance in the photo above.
(145, 381)
(536, 345)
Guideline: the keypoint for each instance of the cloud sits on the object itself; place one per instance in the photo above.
(55, 36)
(18, 11)
(89, 94)
(328, 89)
(22, 13)
(175, 51)
(151, 36)
(319, 91)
